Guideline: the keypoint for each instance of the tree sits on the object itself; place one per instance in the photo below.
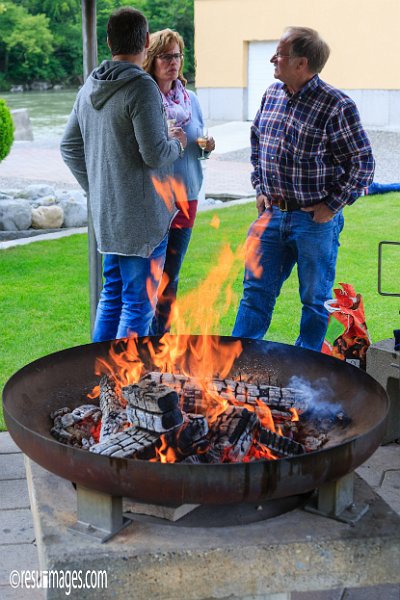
(26, 43)
(42, 39)
(175, 14)
(6, 130)
(65, 23)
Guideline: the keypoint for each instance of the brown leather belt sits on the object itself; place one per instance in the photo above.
(285, 205)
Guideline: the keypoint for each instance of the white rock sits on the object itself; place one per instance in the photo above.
(15, 215)
(4, 196)
(47, 217)
(37, 190)
(44, 201)
(13, 192)
(74, 205)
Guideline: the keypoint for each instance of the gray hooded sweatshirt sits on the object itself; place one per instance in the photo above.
(115, 142)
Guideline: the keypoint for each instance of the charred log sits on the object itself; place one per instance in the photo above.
(279, 444)
(112, 407)
(192, 392)
(153, 406)
(76, 427)
(159, 423)
(191, 437)
(232, 434)
(126, 443)
(151, 397)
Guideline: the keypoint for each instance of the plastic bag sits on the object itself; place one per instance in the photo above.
(347, 336)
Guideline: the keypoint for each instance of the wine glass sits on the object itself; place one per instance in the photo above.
(171, 123)
(202, 139)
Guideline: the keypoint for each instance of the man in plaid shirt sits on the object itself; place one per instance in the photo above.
(311, 157)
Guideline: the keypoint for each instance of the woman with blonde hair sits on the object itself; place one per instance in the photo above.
(164, 63)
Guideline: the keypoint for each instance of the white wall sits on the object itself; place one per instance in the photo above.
(378, 108)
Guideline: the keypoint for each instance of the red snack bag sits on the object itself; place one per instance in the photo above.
(347, 337)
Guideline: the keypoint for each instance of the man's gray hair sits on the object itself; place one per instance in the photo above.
(308, 43)
(126, 31)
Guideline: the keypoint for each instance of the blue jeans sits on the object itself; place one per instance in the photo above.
(178, 242)
(129, 294)
(275, 247)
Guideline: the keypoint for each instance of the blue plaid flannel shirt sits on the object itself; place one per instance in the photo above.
(310, 147)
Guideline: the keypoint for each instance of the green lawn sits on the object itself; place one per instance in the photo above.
(44, 285)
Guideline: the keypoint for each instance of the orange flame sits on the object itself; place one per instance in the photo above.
(199, 311)
(165, 453)
(295, 414)
(265, 416)
(173, 193)
(95, 393)
(253, 243)
(215, 222)
(259, 451)
(152, 286)
(123, 363)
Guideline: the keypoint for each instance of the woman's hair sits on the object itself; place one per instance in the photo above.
(308, 43)
(160, 41)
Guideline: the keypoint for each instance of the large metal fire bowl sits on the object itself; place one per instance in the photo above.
(64, 379)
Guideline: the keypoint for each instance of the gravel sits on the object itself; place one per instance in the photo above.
(385, 146)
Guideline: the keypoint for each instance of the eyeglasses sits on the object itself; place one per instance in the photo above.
(279, 55)
(167, 58)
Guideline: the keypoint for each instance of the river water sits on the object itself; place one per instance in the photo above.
(48, 111)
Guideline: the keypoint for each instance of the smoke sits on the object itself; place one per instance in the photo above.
(316, 396)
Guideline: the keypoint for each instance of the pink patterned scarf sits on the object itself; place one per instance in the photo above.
(177, 104)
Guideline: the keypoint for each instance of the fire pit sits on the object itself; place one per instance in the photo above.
(65, 378)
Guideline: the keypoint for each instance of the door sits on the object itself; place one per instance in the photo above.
(260, 74)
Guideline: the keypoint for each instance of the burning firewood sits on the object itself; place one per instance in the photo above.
(242, 437)
(192, 393)
(153, 406)
(159, 423)
(279, 444)
(114, 415)
(76, 427)
(168, 416)
(126, 443)
(149, 396)
(232, 434)
(190, 438)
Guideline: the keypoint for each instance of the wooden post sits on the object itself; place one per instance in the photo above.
(89, 40)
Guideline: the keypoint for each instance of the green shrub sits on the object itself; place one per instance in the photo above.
(6, 129)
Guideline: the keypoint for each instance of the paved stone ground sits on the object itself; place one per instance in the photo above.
(17, 537)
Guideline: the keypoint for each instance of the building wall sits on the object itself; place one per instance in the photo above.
(363, 36)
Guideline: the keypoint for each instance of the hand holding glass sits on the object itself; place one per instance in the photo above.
(202, 139)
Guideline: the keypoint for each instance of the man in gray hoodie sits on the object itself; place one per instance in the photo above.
(115, 144)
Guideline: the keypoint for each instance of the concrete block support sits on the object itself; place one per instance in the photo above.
(266, 560)
(383, 364)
